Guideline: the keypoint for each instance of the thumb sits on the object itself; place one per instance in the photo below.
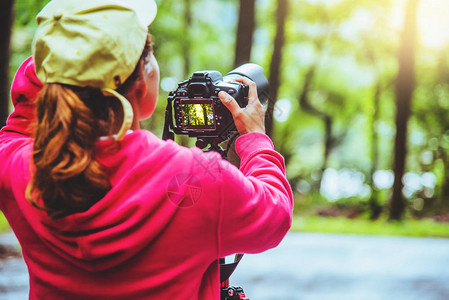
(229, 102)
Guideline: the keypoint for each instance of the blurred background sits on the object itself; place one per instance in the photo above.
(359, 97)
(359, 105)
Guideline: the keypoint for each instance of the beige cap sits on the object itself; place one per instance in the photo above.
(95, 43)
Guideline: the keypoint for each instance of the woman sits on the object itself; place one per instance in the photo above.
(105, 210)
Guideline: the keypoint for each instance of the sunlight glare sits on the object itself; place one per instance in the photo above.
(325, 2)
(433, 22)
(282, 110)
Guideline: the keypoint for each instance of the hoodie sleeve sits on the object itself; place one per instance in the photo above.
(24, 90)
(256, 203)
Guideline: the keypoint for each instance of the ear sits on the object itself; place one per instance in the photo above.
(148, 69)
(140, 89)
(136, 94)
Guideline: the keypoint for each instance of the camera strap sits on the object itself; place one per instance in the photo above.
(226, 270)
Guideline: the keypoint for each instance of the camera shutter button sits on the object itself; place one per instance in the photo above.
(231, 91)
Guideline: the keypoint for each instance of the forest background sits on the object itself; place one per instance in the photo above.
(359, 97)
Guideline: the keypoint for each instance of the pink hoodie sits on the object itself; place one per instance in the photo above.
(158, 234)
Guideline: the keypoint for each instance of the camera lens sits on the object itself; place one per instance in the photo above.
(255, 73)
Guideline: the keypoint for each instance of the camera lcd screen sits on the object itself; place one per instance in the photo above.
(198, 115)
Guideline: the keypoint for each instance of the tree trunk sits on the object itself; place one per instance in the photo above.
(186, 50)
(304, 103)
(374, 206)
(245, 32)
(405, 86)
(444, 195)
(443, 78)
(276, 60)
(6, 20)
(186, 38)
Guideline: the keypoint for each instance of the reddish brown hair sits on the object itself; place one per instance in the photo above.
(70, 119)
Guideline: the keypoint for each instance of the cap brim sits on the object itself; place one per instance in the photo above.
(146, 10)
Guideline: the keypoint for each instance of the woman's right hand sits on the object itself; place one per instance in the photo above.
(250, 118)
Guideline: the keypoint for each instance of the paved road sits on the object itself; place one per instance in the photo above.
(13, 272)
(345, 267)
(320, 267)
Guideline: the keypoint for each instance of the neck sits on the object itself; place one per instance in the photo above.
(135, 125)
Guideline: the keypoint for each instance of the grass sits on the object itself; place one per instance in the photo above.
(3, 223)
(342, 225)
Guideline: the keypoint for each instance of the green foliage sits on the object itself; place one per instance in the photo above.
(26, 10)
(3, 223)
(24, 27)
(350, 45)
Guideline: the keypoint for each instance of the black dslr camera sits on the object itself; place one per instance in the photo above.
(195, 109)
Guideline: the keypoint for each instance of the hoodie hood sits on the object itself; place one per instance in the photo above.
(133, 213)
(24, 90)
(127, 219)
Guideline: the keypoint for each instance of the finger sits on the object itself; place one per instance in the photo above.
(229, 102)
(252, 93)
